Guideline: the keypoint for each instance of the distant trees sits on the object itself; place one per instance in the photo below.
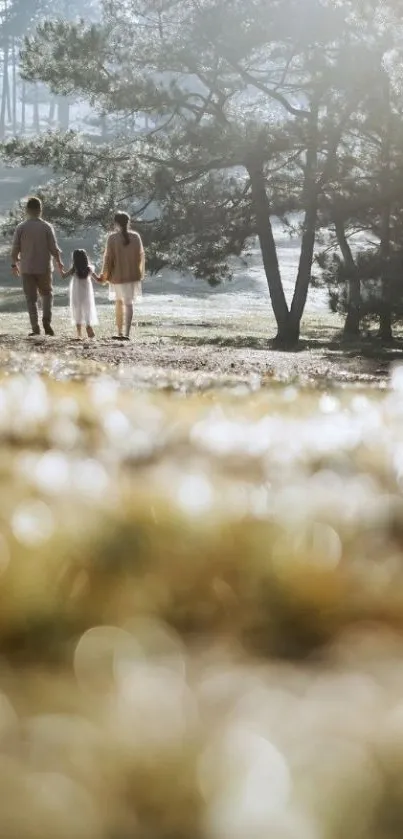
(19, 18)
(257, 110)
(15, 18)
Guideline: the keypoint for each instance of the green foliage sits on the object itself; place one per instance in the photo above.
(369, 266)
(20, 17)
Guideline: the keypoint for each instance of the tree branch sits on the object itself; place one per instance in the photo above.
(272, 93)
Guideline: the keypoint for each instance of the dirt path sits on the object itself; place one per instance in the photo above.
(145, 358)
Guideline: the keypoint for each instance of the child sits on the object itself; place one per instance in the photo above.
(82, 300)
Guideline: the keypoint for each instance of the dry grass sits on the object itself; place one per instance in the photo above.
(173, 353)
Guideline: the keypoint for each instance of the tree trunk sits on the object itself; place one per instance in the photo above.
(63, 113)
(268, 249)
(310, 203)
(385, 318)
(104, 126)
(4, 95)
(23, 107)
(352, 323)
(36, 119)
(14, 65)
(305, 264)
(52, 110)
(8, 95)
(385, 321)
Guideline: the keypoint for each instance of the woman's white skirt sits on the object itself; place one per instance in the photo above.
(126, 292)
(82, 302)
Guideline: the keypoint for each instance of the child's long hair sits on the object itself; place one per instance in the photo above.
(82, 268)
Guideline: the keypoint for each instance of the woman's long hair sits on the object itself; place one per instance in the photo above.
(81, 266)
(123, 221)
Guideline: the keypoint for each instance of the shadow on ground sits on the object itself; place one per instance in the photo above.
(366, 348)
(179, 357)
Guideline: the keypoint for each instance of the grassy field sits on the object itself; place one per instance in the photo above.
(170, 349)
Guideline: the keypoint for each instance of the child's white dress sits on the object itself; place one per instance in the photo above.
(82, 302)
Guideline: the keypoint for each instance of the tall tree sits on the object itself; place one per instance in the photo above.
(366, 195)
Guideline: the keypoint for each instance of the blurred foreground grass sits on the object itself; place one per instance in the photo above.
(201, 612)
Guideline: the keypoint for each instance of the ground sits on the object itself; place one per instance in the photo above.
(170, 347)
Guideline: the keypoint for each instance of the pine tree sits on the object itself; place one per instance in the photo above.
(366, 196)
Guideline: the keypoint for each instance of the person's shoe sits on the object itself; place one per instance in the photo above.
(48, 330)
(118, 338)
(125, 338)
(35, 332)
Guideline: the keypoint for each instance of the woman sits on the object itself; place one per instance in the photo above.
(123, 269)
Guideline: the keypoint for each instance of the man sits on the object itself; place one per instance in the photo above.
(34, 246)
